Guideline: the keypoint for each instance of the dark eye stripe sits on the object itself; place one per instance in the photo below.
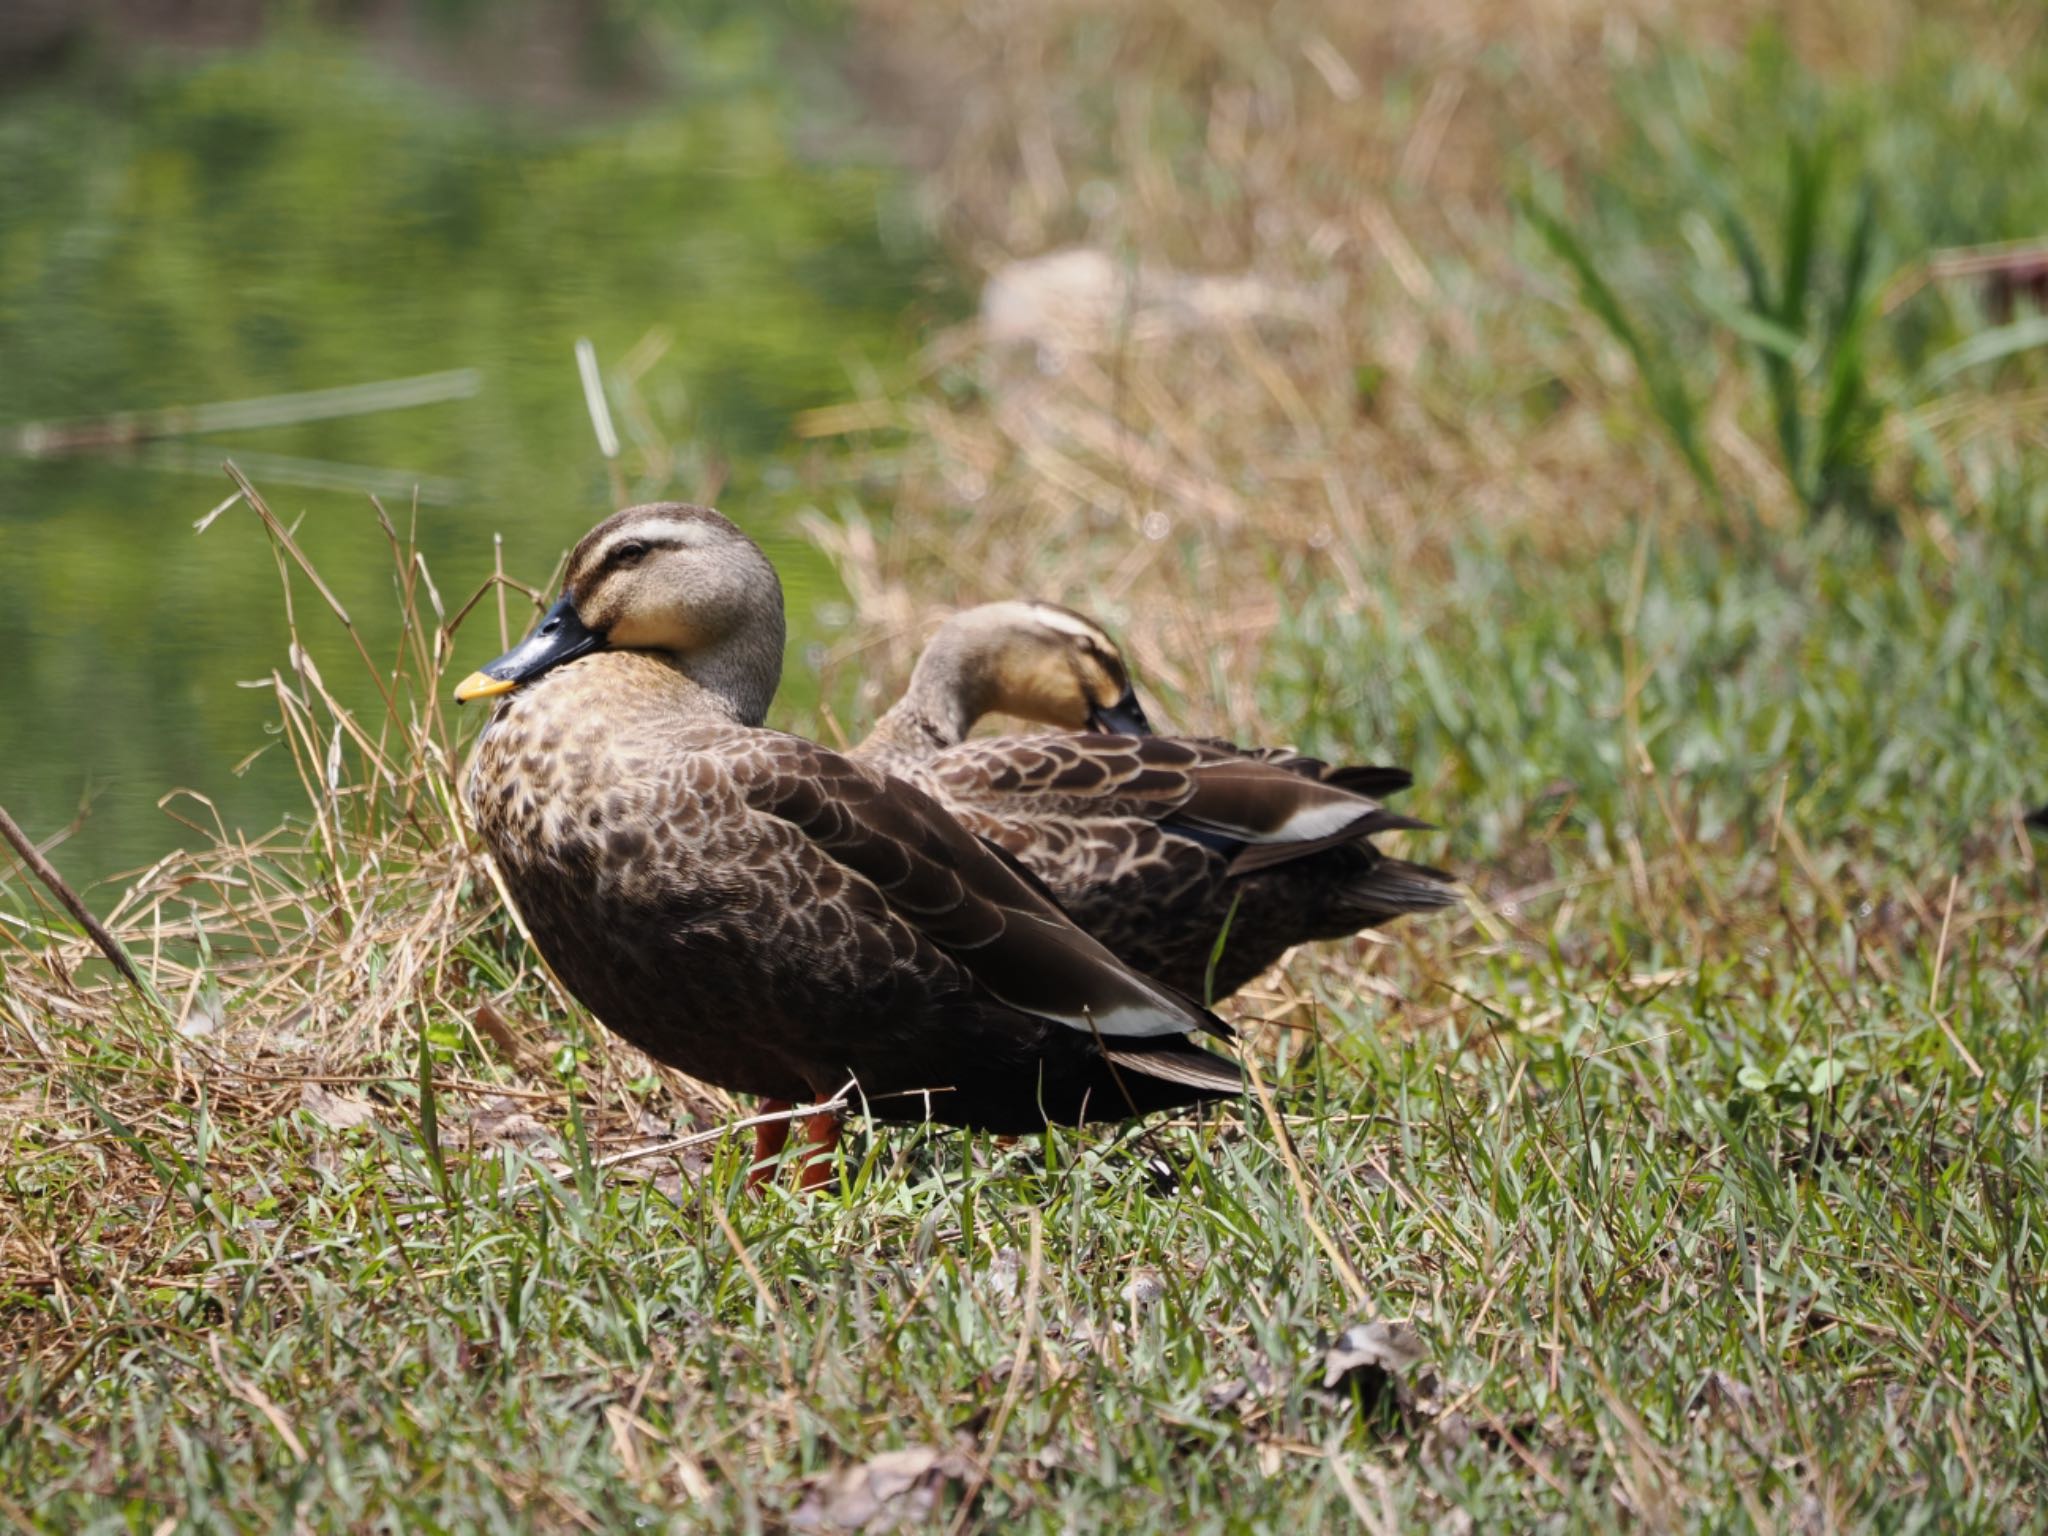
(616, 555)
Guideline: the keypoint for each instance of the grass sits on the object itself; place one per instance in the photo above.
(1703, 1153)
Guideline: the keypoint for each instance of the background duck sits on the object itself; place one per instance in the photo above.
(768, 915)
(1034, 660)
(1158, 846)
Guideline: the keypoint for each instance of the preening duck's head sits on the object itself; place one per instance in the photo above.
(1037, 661)
(679, 581)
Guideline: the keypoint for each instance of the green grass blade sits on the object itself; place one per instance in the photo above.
(1668, 395)
(1216, 951)
(430, 1119)
(1776, 341)
(1990, 346)
(1805, 196)
(1850, 413)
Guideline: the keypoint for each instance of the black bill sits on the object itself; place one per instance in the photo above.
(559, 637)
(1126, 717)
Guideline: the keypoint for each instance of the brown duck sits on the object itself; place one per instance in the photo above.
(1161, 847)
(765, 914)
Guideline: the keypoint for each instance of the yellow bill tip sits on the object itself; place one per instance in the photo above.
(481, 685)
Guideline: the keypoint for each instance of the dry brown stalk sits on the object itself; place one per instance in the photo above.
(82, 914)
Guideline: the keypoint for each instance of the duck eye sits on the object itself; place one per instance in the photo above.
(629, 554)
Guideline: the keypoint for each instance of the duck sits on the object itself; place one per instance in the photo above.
(1030, 659)
(1195, 860)
(773, 917)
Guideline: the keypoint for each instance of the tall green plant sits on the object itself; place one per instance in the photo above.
(1803, 320)
(1656, 363)
(1809, 343)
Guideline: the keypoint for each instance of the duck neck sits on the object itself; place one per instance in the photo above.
(735, 678)
(945, 697)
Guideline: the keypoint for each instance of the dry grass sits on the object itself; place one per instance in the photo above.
(1351, 159)
(1390, 368)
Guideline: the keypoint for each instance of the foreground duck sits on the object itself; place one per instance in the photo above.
(1161, 847)
(765, 914)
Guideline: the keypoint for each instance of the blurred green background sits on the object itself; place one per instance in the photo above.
(291, 202)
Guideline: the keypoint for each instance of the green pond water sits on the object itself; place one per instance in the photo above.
(301, 215)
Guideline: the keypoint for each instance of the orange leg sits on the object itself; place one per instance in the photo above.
(769, 1140)
(821, 1132)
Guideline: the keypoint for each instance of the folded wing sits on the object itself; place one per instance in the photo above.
(970, 903)
(1271, 807)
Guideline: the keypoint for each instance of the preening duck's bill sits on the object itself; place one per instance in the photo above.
(1126, 717)
(559, 637)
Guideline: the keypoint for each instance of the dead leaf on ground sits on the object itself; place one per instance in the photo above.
(888, 1491)
(1003, 1273)
(502, 1121)
(1145, 1287)
(338, 1111)
(1368, 1360)
(206, 1017)
(673, 1180)
(646, 1153)
(1372, 1364)
(510, 1041)
(1257, 1381)
(1720, 1396)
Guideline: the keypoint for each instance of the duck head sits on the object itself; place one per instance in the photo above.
(679, 582)
(1035, 660)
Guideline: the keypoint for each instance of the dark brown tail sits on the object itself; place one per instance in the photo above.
(1374, 783)
(1389, 887)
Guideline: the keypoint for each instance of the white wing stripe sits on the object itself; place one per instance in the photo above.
(1305, 825)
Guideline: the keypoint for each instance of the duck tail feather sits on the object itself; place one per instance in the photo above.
(1257, 856)
(1371, 781)
(1189, 1066)
(1394, 886)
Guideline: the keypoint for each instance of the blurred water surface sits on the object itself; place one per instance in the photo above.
(306, 213)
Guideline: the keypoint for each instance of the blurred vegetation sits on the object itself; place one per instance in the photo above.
(1756, 207)
(176, 229)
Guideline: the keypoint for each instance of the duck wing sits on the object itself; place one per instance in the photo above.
(1264, 810)
(1374, 780)
(971, 903)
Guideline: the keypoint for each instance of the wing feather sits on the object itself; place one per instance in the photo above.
(948, 885)
(1272, 806)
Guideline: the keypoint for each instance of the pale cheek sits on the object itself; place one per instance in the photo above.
(1069, 711)
(633, 634)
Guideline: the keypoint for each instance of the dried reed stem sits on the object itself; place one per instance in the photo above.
(45, 872)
